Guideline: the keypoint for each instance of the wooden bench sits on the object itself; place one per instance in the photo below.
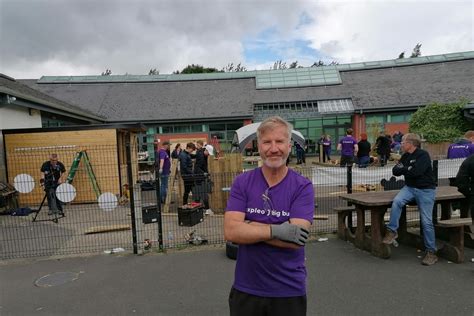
(343, 212)
(454, 250)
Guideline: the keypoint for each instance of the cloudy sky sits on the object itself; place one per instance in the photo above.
(85, 37)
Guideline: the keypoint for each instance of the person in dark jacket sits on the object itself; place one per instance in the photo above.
(201, 174)
(176, 151)
(397, 137)
(383, 148)
(300, 154)
(52, 175)
(363, 155)
(415, 166)
(465, 182)
(186, 168)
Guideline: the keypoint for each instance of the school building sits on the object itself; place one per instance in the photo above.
(367, 96)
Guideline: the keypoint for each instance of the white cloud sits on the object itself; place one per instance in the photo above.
(84, 37)
(374, 30)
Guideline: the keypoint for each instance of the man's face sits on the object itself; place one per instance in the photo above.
(54, 161)
(274, 147)
(406, 146)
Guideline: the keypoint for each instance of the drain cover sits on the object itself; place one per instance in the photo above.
(56, 278)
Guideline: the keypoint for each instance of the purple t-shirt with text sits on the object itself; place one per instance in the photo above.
(460, 150)
(347, 145)
(166, 161)
(262, 269)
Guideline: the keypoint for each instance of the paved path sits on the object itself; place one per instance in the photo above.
(342, 280)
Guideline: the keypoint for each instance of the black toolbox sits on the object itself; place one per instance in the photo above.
(190, 214)
(150, 214)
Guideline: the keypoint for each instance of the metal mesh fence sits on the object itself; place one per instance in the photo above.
(110, 208)
(92, 197)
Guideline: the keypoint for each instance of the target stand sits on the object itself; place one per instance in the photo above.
(56, 213)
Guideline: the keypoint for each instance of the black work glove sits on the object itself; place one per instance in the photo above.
(399, 169)
(290, 233)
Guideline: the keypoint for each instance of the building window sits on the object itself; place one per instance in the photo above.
(167, 129)
(196, 128)
(216, 127)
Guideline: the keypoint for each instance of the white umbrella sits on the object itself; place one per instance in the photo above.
(247, 133)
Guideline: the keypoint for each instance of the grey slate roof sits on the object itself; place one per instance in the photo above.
(370, 90)
(270, 79)
(389, 88)
(159, 101)
(22, 92)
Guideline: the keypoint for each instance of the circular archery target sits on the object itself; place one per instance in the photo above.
(107, 201)
(66, 192)
(24, 183)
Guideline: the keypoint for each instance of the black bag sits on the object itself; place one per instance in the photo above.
(22, 211)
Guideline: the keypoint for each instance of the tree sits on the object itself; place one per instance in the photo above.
(293, 65)
(230, 68)
(439, 122)
(402, 55)
(320, 63)
(416, 51)
(279, 64)
(107, 72)
(196, 69)
(153, 71)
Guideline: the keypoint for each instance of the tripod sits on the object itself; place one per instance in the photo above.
(54, 208)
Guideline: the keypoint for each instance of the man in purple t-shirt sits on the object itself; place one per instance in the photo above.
(269, 213)
(463, 148)
(348, 147)
(164, 168)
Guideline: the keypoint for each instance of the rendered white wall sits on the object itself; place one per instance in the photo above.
(11, 117)
(18, 117)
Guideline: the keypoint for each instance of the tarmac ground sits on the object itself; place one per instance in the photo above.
(341, 280)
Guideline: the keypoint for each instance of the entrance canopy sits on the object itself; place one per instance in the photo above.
(248, 133)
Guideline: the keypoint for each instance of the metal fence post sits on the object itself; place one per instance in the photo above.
(132, 195)
(435, 171)
(349, 190)
(435, 207)
(158, 200)
(349, 179)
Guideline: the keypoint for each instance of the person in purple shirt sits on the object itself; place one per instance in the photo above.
(462, 148)
(164, 167)
(327, 146)
(269, 213)
(348, 147)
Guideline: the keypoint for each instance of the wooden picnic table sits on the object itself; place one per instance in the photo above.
(377, 202)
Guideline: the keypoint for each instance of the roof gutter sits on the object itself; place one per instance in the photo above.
(391, 108)
(36, 103)
(191, 120)
(43, 108)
